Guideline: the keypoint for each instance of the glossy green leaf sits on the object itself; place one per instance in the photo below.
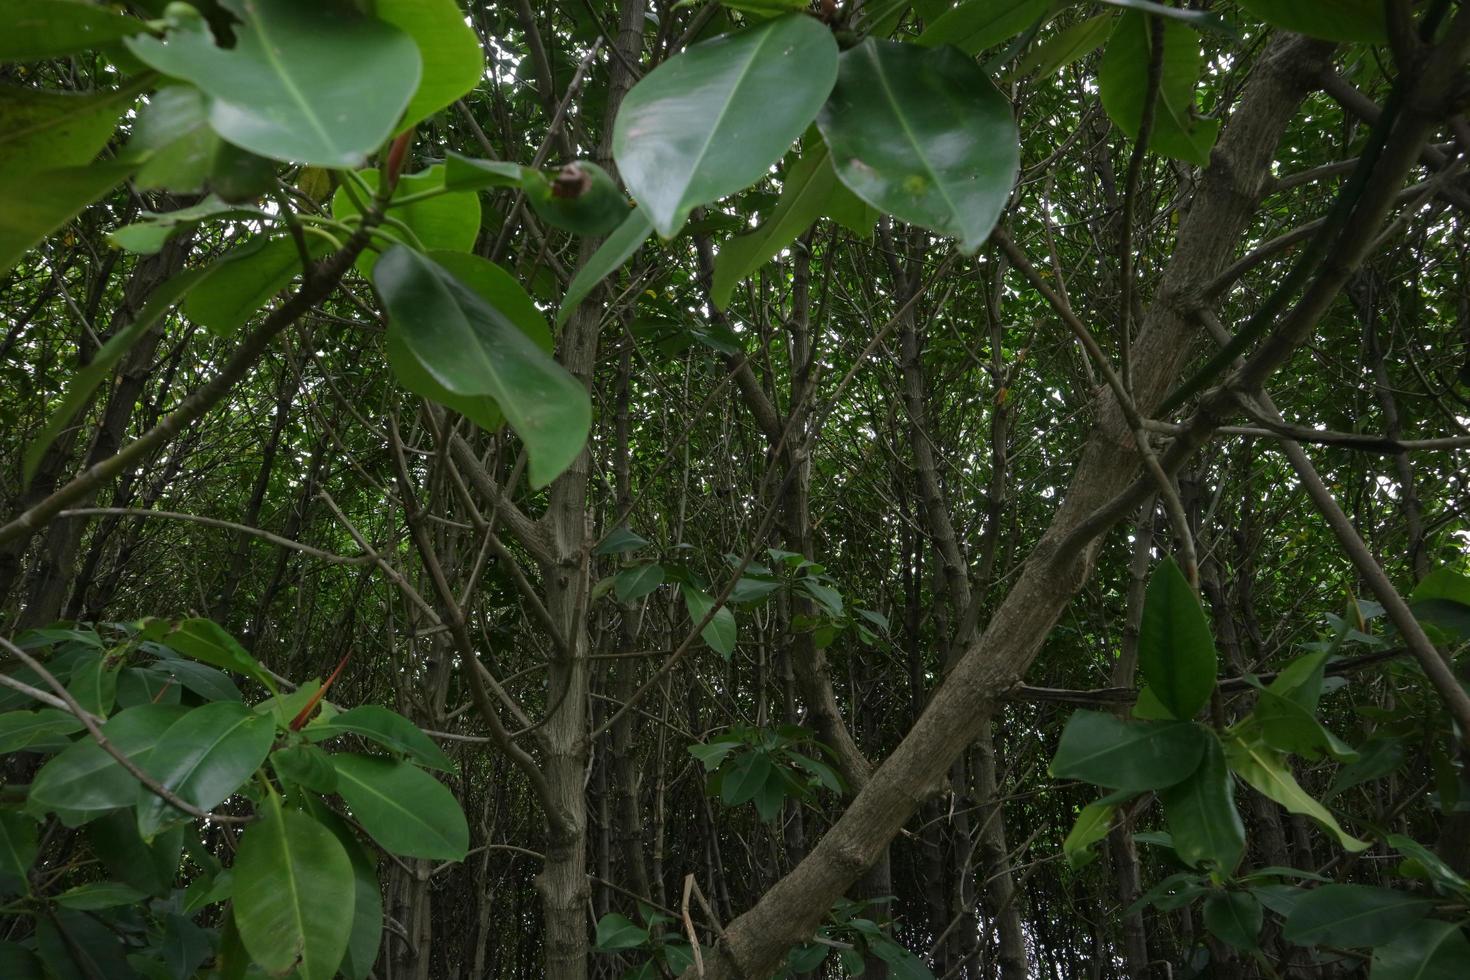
(472, 348)
(710, 120)
(293, 894)
(805, 193)
(100, 895)
(1333, 20)
(616, 931)
(638, 581)
(1106, 751)
(979, 24)
(84, 782)
(36, 29)
(41, 130)
(388, 729)
(403, 808)
(367, 910)
(1430, 865)
(719, 632)
(1287, 726)
(208, 683)
(17, 842)
(745, 778)
(448, 222)
(1091, 826)
(94, 685)
(1176, 653)
(1234, 917)
(1201, 815)
(610, 256)
(1268, 772)
(36, 204)
(303, 82)
(283, 707)
(620, 540)
(449, 50)
(19, 729)
(207, 642)
(1353, 915)
(150, 867)
(78, 946)
(1123, 79)
(203, 758)
(305, 765)
(1061, 50)
(173, 142)
(1428, 950)
(924, 135)
(469, 174)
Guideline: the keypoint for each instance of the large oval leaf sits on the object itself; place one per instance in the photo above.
(1425, 951)
(1266, 770)
(1353, 915)
(40, 130)
(1139, 755)
(203, 758)
(924, 135)
(449, 221)
(473, 348)
(453, 61)
(1123, 80)
(293, 894)
(405, 809)
(387, 728)
(709, 121)
(1335, 20)
(1175, 650)
(304, 82)
(1201, 813)
(84, 782)
(37, 29)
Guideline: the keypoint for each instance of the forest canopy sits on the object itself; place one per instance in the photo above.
(891, 488)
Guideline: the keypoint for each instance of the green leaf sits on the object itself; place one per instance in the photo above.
(1103, 750)
(207, 642)
(42, 130)
(305, 765)
(1332, 20)
(472, 348)
(77, 946)
(616, 932)
(1234, 917)
(1061, 50)
(710, 120)
(293, 894)
(387, 728)
(1353, 915)
(805, 193)
(619, 541)
(1176, 653)
(94, 685)
(406, 810)
(1301, 680)
(36, 204)
(1091, 826)
(17, 843)
(581, 198)
(979, 24)
(282, 708)
(172, 141)
(1123, 80)
(208, 683)
(453, 61)
(903, 965)
(1201, 815)
(1442, 875)
(924, 135)
(746, 778)
(84, 782)
(1200, 20)
(468, 174)
(151, 868)
(719, 632)
(307, 83)
(1429, 950)
(100, 895)
(1266, 770)
(1287, 726)
(203, 758)
(638, 581)
(610, 256)
(38, 29)
(712, 754)
(447, 222)
(148, 234)
(20, 729)
(1376, 759)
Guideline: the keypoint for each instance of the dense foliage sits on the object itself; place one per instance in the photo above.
(623, 489)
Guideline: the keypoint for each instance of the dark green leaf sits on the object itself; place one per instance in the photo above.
(1424, 951)
(1106, 751)
(1072, 44)
(293, 894)
(41, 130)
(720, 631)
(406, 810)
(387, 728)
(37, 29)
(1234, 917)
(638, 581)
(1176, 653)
(453, 61)
(17, 842)
(203, 758)
(746, 778)
(1201, 814)
(616, 931)
(303, 82)
(710, 120)
(305, 765)
(923, 135)
(1123, 80)
(447, 222)
(473, 348)
(150, 868)
(85, 782)
(620, 540)
(1334, 20)
(44, 727)
(207, 642)
(36, 204)
(1353, 915)
(610, 255)
(979, 24)
(100, 895)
